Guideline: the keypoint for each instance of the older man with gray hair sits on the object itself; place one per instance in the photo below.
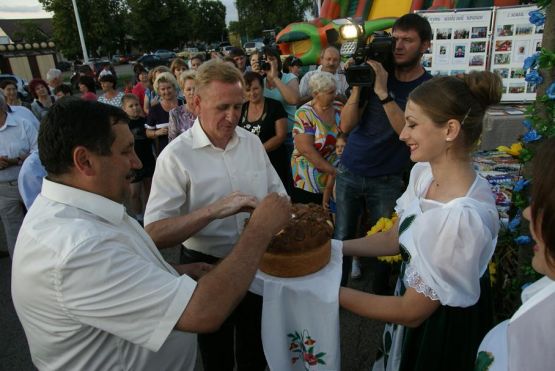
(18, 137)
(204, 181)
(54, 79)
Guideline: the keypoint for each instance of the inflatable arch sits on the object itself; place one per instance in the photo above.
(305, 40)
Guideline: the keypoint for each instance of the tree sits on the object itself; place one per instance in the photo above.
(102, 21)
(208, 20)
(258, 15)
(159, 23)
(30, 32)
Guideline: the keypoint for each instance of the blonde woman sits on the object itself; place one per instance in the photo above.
(151, 98)
(182, 117)
(158, 118)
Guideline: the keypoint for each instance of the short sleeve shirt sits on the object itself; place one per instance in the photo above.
(92, 290)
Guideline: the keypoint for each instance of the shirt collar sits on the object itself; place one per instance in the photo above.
(87, 201)
(200, 139)
(11, 120)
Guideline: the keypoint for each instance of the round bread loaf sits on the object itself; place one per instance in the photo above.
(303, 246)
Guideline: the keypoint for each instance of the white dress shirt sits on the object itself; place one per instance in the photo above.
(192, 173)
(18, 138)
(25, 113)
(92, 291)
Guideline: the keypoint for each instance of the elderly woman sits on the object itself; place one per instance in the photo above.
(182, 117)
(266, 118)
(314, 133)
(158, 118)
(9, 88)
(43, 100)
(111, 96)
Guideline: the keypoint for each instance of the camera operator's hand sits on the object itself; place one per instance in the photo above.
(348, 63)
(273, 74)
(380, 86)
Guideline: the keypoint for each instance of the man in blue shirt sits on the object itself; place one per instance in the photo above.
(370, 174)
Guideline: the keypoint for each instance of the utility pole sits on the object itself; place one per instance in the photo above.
(81, 37)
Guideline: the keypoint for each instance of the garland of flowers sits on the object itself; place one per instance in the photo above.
(539, 124)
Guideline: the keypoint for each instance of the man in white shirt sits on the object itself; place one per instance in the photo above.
(214, 162)
(18, 138)
(330, 61)
(89, 286)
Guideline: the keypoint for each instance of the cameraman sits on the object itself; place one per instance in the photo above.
(372, 165)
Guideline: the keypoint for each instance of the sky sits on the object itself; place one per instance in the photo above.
(22, 9)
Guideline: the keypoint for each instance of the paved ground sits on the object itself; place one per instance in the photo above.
(359, 337)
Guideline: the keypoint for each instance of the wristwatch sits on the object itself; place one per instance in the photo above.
(387, 99)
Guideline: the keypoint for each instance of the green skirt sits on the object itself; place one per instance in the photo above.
(449, 339)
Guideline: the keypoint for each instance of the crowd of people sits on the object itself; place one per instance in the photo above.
(186, 154)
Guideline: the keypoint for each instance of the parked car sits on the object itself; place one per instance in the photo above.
(22, 86)
(226, 49)
(252, 46)
(188, 53)
(63, 66)
(165, 54)
(152, 60)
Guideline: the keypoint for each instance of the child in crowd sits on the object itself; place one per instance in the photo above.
(140, 187)
(329, 197)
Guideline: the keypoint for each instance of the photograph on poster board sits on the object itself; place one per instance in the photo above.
(517, 88)
(538, 46)
(479, 33)
(442, 58)
(539, 29)
(444, 33)
(502, 72)
(460, 51)
(521, 51)
(503, 45)
(441, 73)
(461, 33)
(457, 72)
(502, 58)
(517, 73)
(504, 30)
(476, 60)
(427, 61)
(524, 29)
(478, 47)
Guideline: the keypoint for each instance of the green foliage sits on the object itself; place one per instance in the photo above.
(258, 15)
(103, 23)
(150, 24)
(30, 32)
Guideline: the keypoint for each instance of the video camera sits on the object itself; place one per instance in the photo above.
(355, 45)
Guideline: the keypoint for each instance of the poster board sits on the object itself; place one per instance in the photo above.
(514, 39)
(461, 40)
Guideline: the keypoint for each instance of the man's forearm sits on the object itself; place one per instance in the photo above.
(173, 231)
(219, 292)
(350, 115)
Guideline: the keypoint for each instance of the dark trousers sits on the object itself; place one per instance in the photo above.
(304, 197)
(239, 338)
(378, 195)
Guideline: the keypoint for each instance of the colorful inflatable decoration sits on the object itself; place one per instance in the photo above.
(305, 40)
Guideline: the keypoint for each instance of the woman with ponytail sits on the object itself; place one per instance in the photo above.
(446, 234)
